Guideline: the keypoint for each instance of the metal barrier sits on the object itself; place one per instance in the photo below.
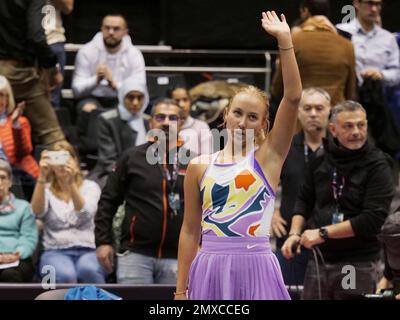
(167, 51)
(30, 291)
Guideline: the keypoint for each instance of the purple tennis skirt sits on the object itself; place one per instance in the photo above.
(236, 268)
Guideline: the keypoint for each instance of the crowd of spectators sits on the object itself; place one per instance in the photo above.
(336, 183)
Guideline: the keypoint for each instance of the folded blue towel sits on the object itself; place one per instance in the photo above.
(89, 293)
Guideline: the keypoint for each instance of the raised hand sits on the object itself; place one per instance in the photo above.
(44, 165)
(17, 112)
(273, 25)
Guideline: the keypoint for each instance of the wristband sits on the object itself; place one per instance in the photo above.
(179, 293)
(295, 234)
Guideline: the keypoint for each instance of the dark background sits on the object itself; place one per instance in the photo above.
(199, 24)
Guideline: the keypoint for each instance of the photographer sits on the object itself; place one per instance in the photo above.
(67, 203)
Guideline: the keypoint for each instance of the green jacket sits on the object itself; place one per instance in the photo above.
(18, 230)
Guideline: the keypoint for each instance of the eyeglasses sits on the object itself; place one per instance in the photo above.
(160, 117)
(371, 3)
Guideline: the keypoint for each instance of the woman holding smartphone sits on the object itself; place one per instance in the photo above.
(67, 203)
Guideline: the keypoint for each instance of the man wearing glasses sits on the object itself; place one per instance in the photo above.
(101, 66)
(149, 179)
(103, 63)
(376, 50)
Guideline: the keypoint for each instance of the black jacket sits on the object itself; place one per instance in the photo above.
(365, 202)
(149, 226)
(22, 36)
(292, 177)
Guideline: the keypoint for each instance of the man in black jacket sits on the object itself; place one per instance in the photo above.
(314, 109)
(23, 46)
(149, 178)
(345, 199)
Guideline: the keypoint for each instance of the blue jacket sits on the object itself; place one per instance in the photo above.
(18, 230)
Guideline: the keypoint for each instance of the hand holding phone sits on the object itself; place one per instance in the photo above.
(58, 158)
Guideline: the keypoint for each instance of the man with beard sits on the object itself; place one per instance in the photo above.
(340, 209)
(149, 179)
(102, 64)
(101, 67)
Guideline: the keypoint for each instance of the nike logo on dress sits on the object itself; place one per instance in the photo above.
(251, 246)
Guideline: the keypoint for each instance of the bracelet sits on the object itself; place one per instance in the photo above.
(179, 293)
(295, 234)
(41, 181)
(285, 49)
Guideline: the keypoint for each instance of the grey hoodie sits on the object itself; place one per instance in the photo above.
(127, 62)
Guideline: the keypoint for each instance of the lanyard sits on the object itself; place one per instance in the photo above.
(306, 152)
(337, 189)
(171, 179)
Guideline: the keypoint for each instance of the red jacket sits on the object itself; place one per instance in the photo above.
(17, 145)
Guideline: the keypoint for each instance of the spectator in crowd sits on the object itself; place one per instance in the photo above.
(376, 50)
(309, 8)
(55, 34)
(104, 63)
(121, 128)
(326, 59)
(153, 195)
(344, 200)
(314, 109)
(196, 133)
(23, 46)
(18, 232)
(66, 203)
(15, 139)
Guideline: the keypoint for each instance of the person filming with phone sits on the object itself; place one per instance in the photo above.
(67, 203)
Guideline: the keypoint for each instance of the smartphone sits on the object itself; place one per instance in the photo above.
(58, 158)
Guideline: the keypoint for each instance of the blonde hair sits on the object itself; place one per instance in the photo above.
(262, 96)
(5, 85)
(54, 185)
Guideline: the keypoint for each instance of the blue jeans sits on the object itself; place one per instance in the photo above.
(74, 265)
(134, 268)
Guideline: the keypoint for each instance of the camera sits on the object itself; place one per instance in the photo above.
(58, 158)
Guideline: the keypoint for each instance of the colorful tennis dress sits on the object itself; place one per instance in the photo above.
(235, 261)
